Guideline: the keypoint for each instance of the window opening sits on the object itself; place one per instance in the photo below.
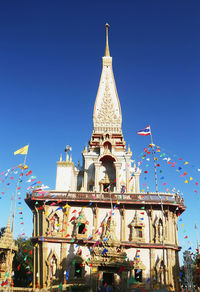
(81, 228)
(138, 275)
(78, 271)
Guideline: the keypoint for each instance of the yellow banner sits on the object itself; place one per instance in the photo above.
(23, 150)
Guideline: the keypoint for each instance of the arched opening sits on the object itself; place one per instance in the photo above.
(108, 173)
(53, 267)
(107, 146)
(160, 229)
(54, 223)
(78, 270)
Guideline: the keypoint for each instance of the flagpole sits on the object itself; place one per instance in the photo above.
(152, 145)
(14, 211)
(197, 238)
(161, 204)
(16, 193)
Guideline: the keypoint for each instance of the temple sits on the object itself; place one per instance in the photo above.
(96, 228)
(8, 248)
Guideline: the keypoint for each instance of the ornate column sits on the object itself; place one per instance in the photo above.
(122, 213)
(127, 178)
(169, 264)
(149, 213)
(75, 181)
(43, 222)
(65, 221)
(43, 258)
(85, 177)
(38, 267)
(37, 223)
(137, 185)
(152, 263)
(176, 272)
(137, 180)
(97, 167)
(93, 278)
(34, 223)
(175, 229)
(63, 258)
(118, 167)
(95, 220)
(34, 267)
(170, 228)
(167, 226)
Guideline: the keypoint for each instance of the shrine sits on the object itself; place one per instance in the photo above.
(97, 228)
(7, 252)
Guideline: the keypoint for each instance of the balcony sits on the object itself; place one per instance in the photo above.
(126, 198)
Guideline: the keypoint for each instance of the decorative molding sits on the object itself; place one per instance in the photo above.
(106, 116)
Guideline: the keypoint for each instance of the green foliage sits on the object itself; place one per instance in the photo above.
(197, 271)
(23, 263)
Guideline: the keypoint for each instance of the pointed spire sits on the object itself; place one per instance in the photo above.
(85, 149)
(107, 116)
(107, 52)
(8, 224)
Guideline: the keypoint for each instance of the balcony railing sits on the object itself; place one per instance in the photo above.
(126, 197)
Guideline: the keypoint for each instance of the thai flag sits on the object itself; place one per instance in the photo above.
(145, 132)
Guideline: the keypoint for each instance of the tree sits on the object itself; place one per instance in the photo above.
(197, 270)
(23, 263)
(187, 271)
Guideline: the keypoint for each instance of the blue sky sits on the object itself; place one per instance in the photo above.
(50, 69)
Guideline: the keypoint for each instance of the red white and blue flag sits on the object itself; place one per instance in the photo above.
(145, 132)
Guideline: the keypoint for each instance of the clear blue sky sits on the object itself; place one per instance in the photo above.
(49, 74)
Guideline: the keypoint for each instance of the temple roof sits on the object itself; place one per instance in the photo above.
(107, 116)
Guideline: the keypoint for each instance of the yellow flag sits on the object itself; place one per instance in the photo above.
(66, 206)
(23, 150)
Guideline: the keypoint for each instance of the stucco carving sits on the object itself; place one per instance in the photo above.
(107, 116)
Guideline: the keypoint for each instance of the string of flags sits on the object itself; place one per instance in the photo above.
(8, 177)
(17, 175)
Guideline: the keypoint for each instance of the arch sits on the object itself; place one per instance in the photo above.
(107, 156)
(52, 263)
(107, 179)
(77, 269)
(138, 267)
(137, 228)
(81, 230)
(159, 271)
(158, 229)
(107, 146)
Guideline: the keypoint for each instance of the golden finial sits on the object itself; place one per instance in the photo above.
(107, 52)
